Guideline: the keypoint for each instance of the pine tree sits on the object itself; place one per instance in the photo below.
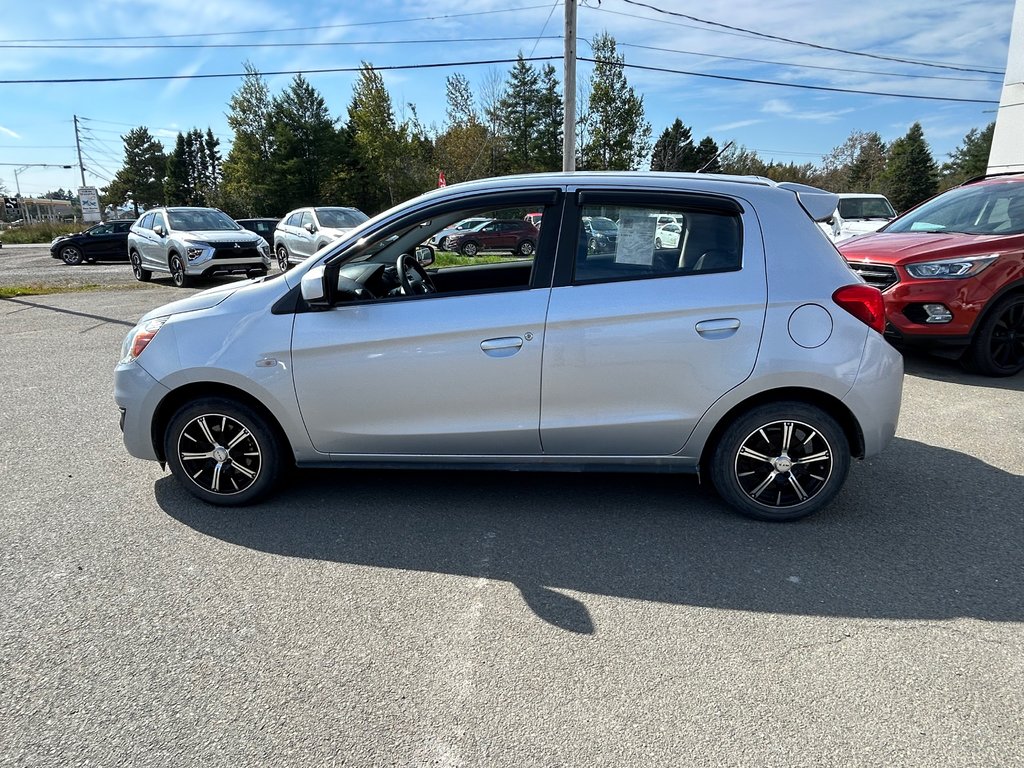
(371, 122)
(706, 159)
(970, 159)
(618, 136)
(548, 131)
(176, 186)
(518, 108)
(248, 179)
(910, 174)
(141, 178)
(674, 150)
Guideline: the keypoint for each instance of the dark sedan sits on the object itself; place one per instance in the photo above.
(103, 242)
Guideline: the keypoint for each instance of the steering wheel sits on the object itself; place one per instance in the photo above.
(413, 276)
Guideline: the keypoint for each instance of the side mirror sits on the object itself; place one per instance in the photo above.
(830, 220)
(311, 227)
(160, 231)
(424, 255)
(313, 289)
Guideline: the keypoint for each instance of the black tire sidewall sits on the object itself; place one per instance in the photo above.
(71, 249)
(266, 439)
(722, 469)
(978, 358)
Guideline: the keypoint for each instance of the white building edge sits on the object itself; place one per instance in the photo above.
(1007, 154)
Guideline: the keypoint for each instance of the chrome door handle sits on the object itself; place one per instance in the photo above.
(502, 347)
(718, 328)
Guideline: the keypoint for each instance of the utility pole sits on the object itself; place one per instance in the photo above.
(78, 146)
(569, 88)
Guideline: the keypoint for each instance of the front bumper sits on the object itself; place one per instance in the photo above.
(137, 394)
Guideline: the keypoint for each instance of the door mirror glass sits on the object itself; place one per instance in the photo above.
(424, 255)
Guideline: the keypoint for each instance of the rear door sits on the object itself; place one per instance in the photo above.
(641, 341)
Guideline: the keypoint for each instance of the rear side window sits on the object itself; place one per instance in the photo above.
(633, 242)
(147, 221)
(294, 220)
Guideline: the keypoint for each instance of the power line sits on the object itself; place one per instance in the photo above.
(817, 46)
(793, 85)
(282, 29)
(330, 70)
(175, 46)
(806, 66)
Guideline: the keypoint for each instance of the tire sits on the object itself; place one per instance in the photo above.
(657, 243)
(282, 258)
(780, 461)
(252, 274)
(443, 244)
(177, 267)
(71, 255)
(470, 249)
(142, 275)
(223, 452)
(526, 248)
(998, 345)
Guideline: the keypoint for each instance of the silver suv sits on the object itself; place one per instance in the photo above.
(190, 243)
(747, 351)
(304, 231)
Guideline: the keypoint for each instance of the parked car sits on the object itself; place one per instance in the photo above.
(101, 242)
(951, 271)
(534, 218)
(264, 227)
(191, 243)
(440, 240)
(751, 355)
(305, 231)
(857, 214)
(667, 235)
(602, 233)
(514, 235)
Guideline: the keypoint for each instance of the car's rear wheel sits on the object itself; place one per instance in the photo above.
(282, 258)
(178, 276)
(142, 275)
(657, 243)
(470, 249)
(71, 255)
(781, 461)
(998, 345)
(223, 452)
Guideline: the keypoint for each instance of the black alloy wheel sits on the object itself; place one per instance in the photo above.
(223, 452)
(142, 275)
(998, 346)
(781, 461)
(178, 276)
(282, 258)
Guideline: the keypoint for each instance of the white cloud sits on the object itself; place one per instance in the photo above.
(9, 132)
(737, 124)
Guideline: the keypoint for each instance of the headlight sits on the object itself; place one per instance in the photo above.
(138, 339)
(194, 252)
(264, 249)
(950, 269)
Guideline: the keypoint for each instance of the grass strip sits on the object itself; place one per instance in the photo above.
(38, 289)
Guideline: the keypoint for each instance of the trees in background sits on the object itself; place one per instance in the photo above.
(287, 149)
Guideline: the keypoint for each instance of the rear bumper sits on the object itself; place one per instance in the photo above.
(877, 394)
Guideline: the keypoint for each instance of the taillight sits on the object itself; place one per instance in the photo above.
(863, 302)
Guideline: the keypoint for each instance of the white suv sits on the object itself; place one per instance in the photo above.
(190, 243)
(857, 214)
(305, 231)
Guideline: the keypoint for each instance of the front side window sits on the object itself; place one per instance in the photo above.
(306, 220)
(624, 242)
(983, 209)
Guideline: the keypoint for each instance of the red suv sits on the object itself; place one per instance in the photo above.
(951, 272)
(515, 235)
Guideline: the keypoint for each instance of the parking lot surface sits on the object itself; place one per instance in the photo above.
(494, 619)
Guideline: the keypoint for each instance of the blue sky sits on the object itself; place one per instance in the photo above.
(784, 123)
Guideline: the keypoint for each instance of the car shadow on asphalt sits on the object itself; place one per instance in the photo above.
(920, 533)
(936, 368)
(61, 310)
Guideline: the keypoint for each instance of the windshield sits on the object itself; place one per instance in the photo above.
(981, 209)
(200, 220)
(340, 218)
(865, 208)
(602, 224)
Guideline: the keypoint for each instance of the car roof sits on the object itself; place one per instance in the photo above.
(996, 178)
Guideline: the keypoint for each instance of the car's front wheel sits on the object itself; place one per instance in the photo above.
(470, 249)
(71, 255)
(142, 275)
(526, 248)
(998, 345)
(178, 276)
(282, 258)
(781, 461)
(223, 452)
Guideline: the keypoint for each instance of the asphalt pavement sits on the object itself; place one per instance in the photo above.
(493, 619)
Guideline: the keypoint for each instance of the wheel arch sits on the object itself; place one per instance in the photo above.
(1010, 289)
(175, 399)
(826, 402)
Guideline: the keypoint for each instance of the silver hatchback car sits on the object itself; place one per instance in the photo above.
(747, 352)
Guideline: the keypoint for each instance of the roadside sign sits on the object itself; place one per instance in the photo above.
(90, 199)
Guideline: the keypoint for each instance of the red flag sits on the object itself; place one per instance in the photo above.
(440, 180)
